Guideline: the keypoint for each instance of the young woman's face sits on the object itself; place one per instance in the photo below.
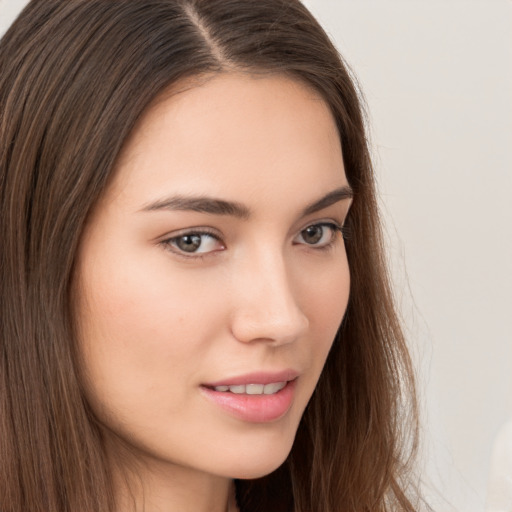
(212, 275)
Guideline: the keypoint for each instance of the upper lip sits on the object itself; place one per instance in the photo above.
(256, 378)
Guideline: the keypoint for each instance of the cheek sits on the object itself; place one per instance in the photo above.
(141, 298)
(324, 296)
(139, 328)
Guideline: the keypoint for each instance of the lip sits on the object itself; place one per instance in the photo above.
(255, 378)
(254, 408)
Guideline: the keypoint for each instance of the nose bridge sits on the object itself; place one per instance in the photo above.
(267, 305)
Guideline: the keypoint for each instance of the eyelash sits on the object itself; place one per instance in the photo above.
(170, 243)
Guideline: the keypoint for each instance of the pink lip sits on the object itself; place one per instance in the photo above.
(254, 408)
(255, 378)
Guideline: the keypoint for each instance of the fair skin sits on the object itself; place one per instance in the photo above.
(173, 301)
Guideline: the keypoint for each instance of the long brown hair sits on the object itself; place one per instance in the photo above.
(75, 76)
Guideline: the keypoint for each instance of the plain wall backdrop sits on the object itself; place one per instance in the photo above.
(437, 78)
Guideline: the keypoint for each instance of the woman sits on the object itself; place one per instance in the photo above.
(185, 186)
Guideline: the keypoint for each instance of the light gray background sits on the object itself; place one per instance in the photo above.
(437, 77)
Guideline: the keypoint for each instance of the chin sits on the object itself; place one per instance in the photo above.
(259, 470)
(259, 461)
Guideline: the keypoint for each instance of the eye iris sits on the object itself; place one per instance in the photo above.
(189, 243)
(313, 234)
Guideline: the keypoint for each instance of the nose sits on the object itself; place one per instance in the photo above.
(266, 304)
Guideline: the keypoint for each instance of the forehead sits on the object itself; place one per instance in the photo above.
(233, 134)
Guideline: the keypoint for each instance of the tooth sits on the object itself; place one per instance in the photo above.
(254, 389)
(270, 389)
(237, 389)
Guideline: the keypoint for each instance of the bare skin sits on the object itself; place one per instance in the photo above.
(176, 292)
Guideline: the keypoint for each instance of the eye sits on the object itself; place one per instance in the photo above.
(196, 242)
(320, 235)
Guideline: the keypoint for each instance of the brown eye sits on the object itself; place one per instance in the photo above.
(188, 243)
(318, 235)
(194, 243)
(313, 234)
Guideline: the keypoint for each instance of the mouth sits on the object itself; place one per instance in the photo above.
(260, 399)
(252, 389)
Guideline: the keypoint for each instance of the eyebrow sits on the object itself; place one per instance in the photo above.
(201, 204)
(337, 195)
(214, 206)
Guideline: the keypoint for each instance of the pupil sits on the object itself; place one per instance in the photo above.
(189, 243)
(313, 234)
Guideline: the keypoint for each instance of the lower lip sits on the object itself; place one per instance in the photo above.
(254, 408)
